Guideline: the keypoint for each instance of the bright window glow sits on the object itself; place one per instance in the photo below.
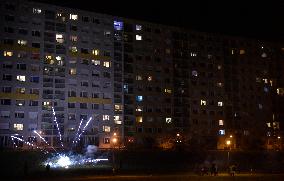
(202, 103)
(138, 27)
(106, 64)
(19, 127)
(59, 38)
(36, 10)
(74, 16)
(22, 42)
(221, 122)
(169, 91)
(96, 52)
(21, 78)
(280, 91)
(105, 117)
(220, 104)
(138, 37)
(8, 53)
(96, 62)
(139, 98)
(139, 119)
(219, 67)
(219, 84)
(74, 49)
(73, 38)
(72, 71)
(139, 109)
(242, 52)
(150, 78)
(168, 120)
(118, 25)
(118, 107)
(139, 77)
(106, 129)
(268, 125)
(221, 132)
(193, 54)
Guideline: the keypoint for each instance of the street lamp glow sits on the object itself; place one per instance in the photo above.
(178, 134)
(114, 140)
(228, 142)
(278, 137)
(114, 134)
(231, 136)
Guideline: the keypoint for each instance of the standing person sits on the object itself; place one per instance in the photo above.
(212, 169)
(47, 167)
(215, 170)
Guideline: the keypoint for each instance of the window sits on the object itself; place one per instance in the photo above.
(106, 140)
(219, 67)
(73, 38)
(19, 127)
(95, 51)
(117, 107)
(138, 37)
(36, 45)
(59, 38)
(6, 89)
(22, 42)
(7, 77)
(20, 90)
(280, 91)
(118, 25)
(149, 78)
(139, 108)
(74, 16)
(21, 66)
(85, 83)
(202, 102)
(117, 119)
(71, 116)
(35, 79)
(19, 114)
(107, 33)
(221, 132)
(8, 53)
(106, 128)
(5, 114)
(169, 91)
(138, 27)
(33, 103)
(105, 117)
(21, 78)
(23, 31)
(139, 98)
(33, 115)
(83, 105)
(36, 33)
(221, 122)
(72, 71)
(71, 105)
(5, 101)
(83, 94)
(139, 119)
(36, 10)
(242, 52)
(95, 106)
(95, 62)
(168, 120)
(73, 49)
(106, 64)
(194, 73)
(34, 91)
(220, 104)
(219, 84)
(139, 77)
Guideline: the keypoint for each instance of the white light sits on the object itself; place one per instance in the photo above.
(64, 161)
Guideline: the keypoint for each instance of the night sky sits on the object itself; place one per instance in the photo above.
(263, 19)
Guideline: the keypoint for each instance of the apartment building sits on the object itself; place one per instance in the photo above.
(147, 84)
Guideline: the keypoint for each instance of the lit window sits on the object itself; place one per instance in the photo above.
(73, 38)
(59, 38)
(139, 98)
(280, 91)
(139, 109)
(221, 122)
(95, 62)
(106, 128)
(22, 42)
(192, 54)
(96, 52)
(219, 84)
(36, 10)
(117, 119)
(219, 67)
(118, 107)
(21, 78)
(105, 117)
(232, 52)
(138, 27)
(221, 132)
(74, 16)
(220, 104)
(20, 90)
(118, 25)
(138, 37)
(8, 53)
(74, 49)
(263, 55)
(106, 64)
(19, 127)
(20, 102)
(169, 91)
(260, 106)
(72, 71)
(139, 119)
(194, 73)
(139, 77)
(242, 52)
(168, 120)
(268, 125)
(168, 51)
(202, 103)
(150, 78)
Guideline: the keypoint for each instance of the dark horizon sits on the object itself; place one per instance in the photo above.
(253, 20)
